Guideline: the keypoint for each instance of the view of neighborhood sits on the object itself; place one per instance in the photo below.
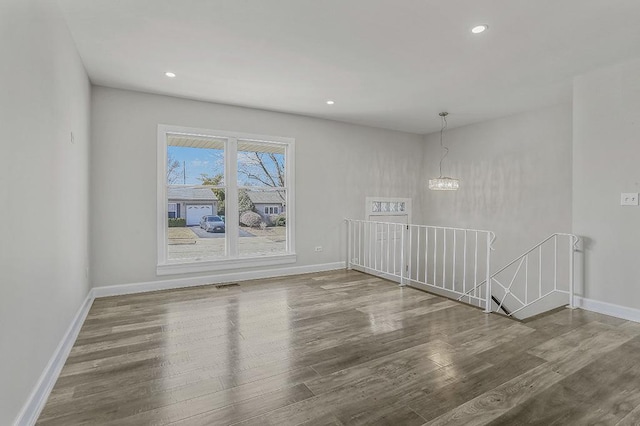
(196, 193)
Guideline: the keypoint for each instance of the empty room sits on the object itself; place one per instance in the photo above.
(329, 212)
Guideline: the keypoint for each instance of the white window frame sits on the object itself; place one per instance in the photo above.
(232, 259)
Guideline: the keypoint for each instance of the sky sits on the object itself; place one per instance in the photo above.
(198, 161)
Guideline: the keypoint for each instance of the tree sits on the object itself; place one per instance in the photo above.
(258, 169)
(173, 170)
(215, 181)
(263, 169)
(244, 202)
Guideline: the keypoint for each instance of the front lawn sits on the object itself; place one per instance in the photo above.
(184, 244)
(277, 234)
(181, 236)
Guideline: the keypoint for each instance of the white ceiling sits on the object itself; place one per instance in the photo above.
(386, 63)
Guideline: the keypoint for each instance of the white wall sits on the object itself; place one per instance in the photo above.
(45, 95)
(515, 177)
(606, 151)
(337, 166)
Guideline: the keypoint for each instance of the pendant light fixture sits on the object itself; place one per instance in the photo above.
(443, 183)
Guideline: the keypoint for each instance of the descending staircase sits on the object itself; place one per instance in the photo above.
(540, 279)
(501, 306)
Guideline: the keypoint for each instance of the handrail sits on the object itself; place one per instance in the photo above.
(576, 240)
(523, 259)
(452, 260)
(535, 247)
(431, 256)
(493, 235)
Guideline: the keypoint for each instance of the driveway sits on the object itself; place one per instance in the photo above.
(204, 234)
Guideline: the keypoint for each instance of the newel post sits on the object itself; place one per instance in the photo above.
(488, 303)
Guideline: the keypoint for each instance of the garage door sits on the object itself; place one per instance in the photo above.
(195, 213)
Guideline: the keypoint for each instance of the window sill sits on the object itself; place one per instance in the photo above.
(225, 264)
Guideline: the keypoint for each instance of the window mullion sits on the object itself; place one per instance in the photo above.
(163, 220)
(231, 197)
(289, 184)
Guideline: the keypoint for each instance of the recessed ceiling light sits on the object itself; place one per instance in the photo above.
(170, 74)
(479, 29)
(330, 102)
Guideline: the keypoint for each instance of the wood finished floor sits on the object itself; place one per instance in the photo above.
(341, 348)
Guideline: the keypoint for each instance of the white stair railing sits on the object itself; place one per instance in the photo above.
(545, 271)
(451, 261)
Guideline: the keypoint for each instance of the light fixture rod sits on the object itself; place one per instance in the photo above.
(443, 116)
(443, 183)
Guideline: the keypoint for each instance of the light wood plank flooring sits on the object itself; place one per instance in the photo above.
(341, 348)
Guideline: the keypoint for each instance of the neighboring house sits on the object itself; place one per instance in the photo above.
(191, 203)
(268, 202)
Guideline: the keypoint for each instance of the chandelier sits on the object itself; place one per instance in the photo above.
(443, 183)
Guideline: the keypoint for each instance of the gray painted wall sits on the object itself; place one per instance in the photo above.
(606, 151)
(339, 164)
(45, 97)
(515, 177)
(516, 172)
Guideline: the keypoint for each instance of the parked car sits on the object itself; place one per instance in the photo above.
(212, 223)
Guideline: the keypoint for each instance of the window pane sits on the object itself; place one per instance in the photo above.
(195, 195)
(262, 232)
(195, 160)
(261, 164)
(199, 230)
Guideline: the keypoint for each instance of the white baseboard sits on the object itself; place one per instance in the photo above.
(118, 290)
(38, 397)
(610, 309)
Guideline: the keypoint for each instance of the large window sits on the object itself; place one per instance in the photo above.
(224, 200)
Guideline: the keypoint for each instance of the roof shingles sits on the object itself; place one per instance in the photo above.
(266, 197)
(188, 193)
